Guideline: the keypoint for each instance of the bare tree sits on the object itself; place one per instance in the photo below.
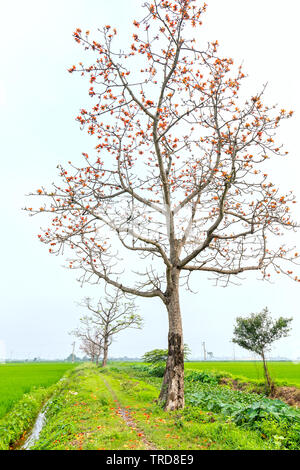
(91, 339)
(112, 317)
(90, 350)
(179, 177)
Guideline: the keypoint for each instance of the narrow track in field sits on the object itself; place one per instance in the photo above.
(125, 414)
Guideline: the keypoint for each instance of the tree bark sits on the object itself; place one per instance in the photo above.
(269, 383)
(105, 352)
(172, 391)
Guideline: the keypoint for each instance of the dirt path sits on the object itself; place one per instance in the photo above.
(125, 414)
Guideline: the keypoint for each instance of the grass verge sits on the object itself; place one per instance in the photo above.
(96, 405)
(20, 419)
(271, 419)
(85, 416)
(192, 428)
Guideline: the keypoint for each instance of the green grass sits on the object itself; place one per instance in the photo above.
(282, 372)
(86, 416)
(233, 413)
(20, 419)
(179, 430)
(19, 379)
(86, 412)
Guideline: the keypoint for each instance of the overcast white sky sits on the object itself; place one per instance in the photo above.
(39, 101)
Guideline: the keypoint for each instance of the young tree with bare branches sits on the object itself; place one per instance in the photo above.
(178, 178)
(91, 339)
(91, 350)
(111, 317)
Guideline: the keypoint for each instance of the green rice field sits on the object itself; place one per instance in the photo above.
(285, 372)
(19, 378)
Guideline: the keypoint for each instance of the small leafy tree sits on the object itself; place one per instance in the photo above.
(161, 355)
(158, 359)
(257, 332)
(156, 356)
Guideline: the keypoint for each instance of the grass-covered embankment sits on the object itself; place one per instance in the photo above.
(116, 408)
(191, 428)
(20, 419)
(272, 419)
(85, 415)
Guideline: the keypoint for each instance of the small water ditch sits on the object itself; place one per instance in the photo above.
(34, 434)
(31, 437)
(39, 423)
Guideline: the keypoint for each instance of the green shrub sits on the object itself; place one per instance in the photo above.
(203, 377)
(157, 370)
(281, 433)
(138, 367)
(154, 370)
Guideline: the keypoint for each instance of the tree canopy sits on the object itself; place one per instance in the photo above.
(258, 332)
(161, 355)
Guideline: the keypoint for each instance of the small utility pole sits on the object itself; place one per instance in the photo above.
(233, 350)
(204, 350)
(73, 344)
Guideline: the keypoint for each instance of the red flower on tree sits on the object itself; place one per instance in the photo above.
(178, 177)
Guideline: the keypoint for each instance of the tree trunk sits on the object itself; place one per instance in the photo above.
(105, 352)
(172, 391)
(269, 383)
